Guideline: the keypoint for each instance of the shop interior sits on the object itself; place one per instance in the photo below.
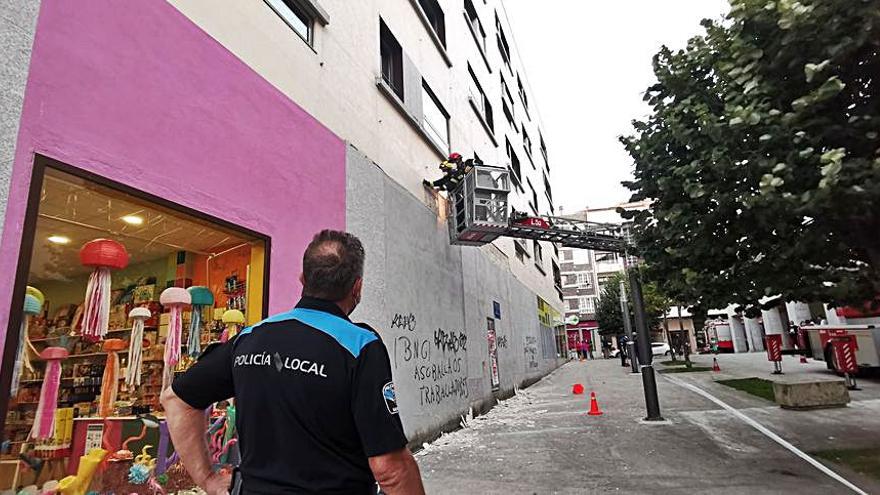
(122, 294)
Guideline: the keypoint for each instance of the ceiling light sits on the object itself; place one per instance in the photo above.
(59, 239)
(133, 220)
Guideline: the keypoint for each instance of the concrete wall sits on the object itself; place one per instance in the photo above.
(18, 21)
(430, 302)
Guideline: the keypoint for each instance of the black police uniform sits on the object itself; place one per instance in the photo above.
(314, 397)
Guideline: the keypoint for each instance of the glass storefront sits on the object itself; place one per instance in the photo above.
(123, 291)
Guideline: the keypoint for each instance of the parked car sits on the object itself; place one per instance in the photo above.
(657, 349)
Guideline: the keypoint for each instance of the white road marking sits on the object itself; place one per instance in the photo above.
(773, 436)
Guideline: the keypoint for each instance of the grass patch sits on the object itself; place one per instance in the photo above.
(863, 461)
(758, 387)
(692, 369)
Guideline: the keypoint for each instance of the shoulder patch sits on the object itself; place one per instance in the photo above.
(390, 397)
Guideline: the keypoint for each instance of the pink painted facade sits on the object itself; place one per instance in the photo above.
(143, 97)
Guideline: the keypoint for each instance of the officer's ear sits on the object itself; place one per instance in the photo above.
(356, 289)
(302, 279)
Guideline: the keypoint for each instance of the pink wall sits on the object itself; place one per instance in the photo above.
(142, 96)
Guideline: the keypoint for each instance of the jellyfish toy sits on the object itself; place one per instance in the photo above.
(175, 299)
(103, 255)
(110, 380)
(136, 346)
(32, 307)
(233, 319)
(201, 297)
(44, 420)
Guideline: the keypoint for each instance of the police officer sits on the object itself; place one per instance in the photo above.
(317, 411)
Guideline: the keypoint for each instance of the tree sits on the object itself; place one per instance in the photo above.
(608, 314)
(762, 159)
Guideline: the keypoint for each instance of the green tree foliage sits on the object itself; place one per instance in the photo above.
(608, 314)
(762, 157)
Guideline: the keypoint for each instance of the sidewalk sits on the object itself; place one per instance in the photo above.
(542, 441)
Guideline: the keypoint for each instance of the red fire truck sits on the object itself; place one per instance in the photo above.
(821, 341)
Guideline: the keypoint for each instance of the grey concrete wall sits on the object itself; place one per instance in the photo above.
(430, 302)
(18, 21)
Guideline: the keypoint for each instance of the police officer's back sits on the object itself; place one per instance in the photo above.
(317, 410)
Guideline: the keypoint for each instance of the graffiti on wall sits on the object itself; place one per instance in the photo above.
(437, 366)
(493, 354)
(502, 342)
(530, 349)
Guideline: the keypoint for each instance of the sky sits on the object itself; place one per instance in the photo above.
(588, 63)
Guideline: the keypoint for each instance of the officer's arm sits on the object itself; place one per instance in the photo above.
(206, 382)
(187, 426)
(397, 473)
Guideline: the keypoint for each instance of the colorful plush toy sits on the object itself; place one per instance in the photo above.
(201, 298)
(44, 420)
(175, 299)
(143, 466)
(233, 319)
(103, 255)
(32, 307)
(110, 380)
(136, 346)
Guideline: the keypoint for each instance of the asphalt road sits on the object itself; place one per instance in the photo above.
(542, 440)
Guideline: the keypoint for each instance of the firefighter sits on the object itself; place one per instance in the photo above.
(454, 169)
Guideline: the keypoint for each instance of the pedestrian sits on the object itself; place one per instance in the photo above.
(317, 410)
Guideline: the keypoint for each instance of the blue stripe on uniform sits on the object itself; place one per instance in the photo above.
(346, 333)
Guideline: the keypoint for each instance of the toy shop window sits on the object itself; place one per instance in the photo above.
(76, 225)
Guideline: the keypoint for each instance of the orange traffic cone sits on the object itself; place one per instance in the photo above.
(594, 405)
(715, 366)
(577, 389)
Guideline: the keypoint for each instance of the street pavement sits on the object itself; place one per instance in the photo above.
(542, 440)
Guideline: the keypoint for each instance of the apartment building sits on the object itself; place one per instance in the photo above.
(233, 132)
(585, 273)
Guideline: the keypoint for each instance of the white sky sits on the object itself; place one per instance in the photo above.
(587, 63)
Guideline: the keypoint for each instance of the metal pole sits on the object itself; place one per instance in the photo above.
(627, 330)
(649, 382)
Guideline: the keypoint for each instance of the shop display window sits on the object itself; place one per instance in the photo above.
(122, 292)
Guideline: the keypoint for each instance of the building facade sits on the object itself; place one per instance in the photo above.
(585, 273)
(212, 143)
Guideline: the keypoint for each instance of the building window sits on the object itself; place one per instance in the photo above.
(519, 248)
(392, 60)
(574, 304)
(567, 255)
(295, 17)
(522, 93)
(478, 97)
(557, 276)
(539, 256)
(534, 201)
(543, 150)
(527, 144)
(514, 165)
(583, 280)
(475, 24)
(435, 119)
(507, 104)
(436, 18)
(503, 47)
(586, 304)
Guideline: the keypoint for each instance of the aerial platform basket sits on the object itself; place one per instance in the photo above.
(477, 210)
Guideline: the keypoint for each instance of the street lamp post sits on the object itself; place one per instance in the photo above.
(649, 381)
